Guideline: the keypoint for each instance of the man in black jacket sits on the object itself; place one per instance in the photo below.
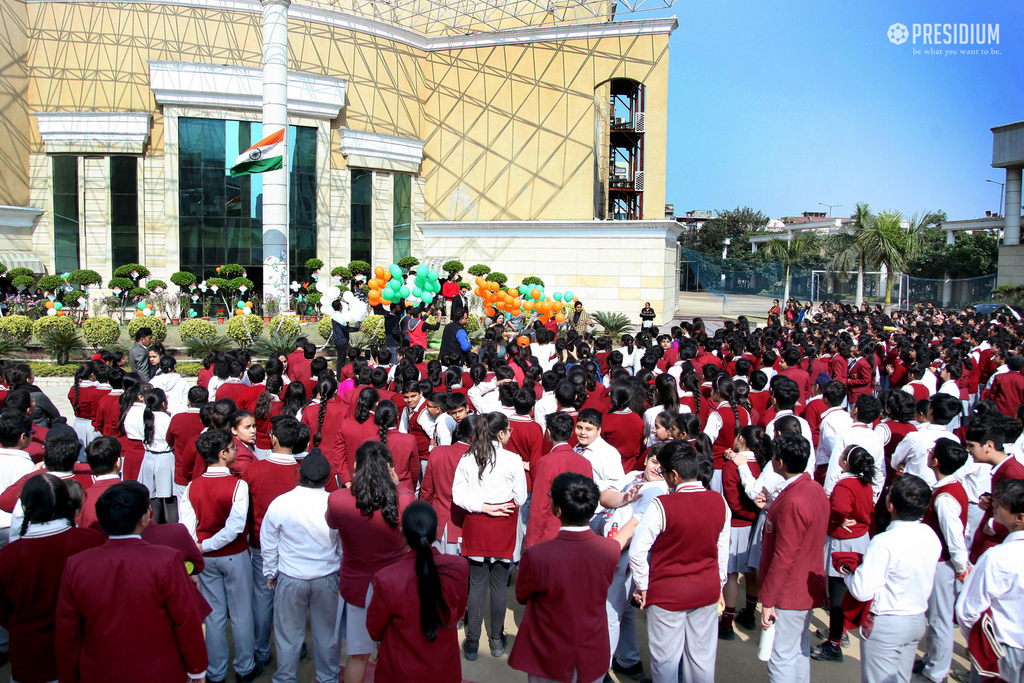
(454, 338)
(340, 331)
(393, 329)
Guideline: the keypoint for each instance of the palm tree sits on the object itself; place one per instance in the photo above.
(791, 252)
(886, 242)
(847, 251)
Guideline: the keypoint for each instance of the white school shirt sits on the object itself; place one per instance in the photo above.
(407, 412)
(236, 520)
(898, 570)
(650, 416)
(947, 509)
(176, 390)
(484, 397)
(135, 428)
(605, 460)
(295, 538)
(544, 406)
(997, 584)
(998, 371)
(833, 421)
(213, 385)
(14, 465)
(805, 427)
(443, 429)
(912, 452)
(651, 526)
(545, 355)
(18, 513)
(505, 480)
(862, 435)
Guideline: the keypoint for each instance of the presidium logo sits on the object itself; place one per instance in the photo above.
(965, 36)
(898, 34)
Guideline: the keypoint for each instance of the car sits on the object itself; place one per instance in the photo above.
(1016, 312)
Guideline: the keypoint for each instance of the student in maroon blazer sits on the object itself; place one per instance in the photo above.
(296, 359)
(30, 576)
(984, 441)
(415, 621)
(356, 430)
(793, 560)
(564, 583)
(437, 486)
(527, 440)
(126, 610)
(104, 457)
(542, 524)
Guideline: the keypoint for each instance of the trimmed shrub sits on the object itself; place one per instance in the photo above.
(84, 278)
(3, 269)
(408, 262)
(324, 327)
(196, 328)
(284, 325)
(313, 299)
(154, 323)
(344, 272)
(50, 283)
(19, 272)
(23, 281)
(533, 280)
(314, 264)
(16, 327)
(231, 271)
(472, 324)
(183, 279)
(127, 269)
(139, 292)
(237, 283)
(243, 329)
(50, 323)
(219, 281)
(500, 278)
(153, 285)
(373, 330)
(479, 270)
(453, 267)
(124, 283)
(72, 298)
(100, 331)
(360, 268)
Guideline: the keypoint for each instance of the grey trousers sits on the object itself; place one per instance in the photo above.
(887, 653)
(226, 583)
(5, 537)
(683, 645)
(1011, 666)
(262, 607)
(293, 598)
(791, 651)
(625, 642)
(940, 623)
(530, 678)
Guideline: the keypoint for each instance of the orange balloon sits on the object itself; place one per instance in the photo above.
(500, 305)
(238, 311)
(378, 272)
(49, 304)
(385, 302)
(557, 306)
(480, 282)
(560, 318)
(494, 286)
(528, 305)
(575, 299)
(387, 276)
(60, 312)
(489, 311)
(512, 292)
(137, 313)
(535, 293)
(478, 292)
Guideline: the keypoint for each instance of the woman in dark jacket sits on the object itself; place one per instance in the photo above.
(21, 376)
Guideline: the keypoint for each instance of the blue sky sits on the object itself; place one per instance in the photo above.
(783, 105)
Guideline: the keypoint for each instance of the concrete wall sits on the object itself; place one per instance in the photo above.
(1011, 265)
(14, 104)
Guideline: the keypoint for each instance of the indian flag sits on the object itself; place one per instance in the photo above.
(265, 155)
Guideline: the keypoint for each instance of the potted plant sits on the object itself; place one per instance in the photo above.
(271, 307)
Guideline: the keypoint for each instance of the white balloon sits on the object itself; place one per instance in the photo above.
(246, 311)
(348, 296)
(322, 286)
(332, 293)
(326, 309)
(51, 311)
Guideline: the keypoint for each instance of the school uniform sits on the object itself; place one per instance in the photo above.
(863, 435)
(802, 379)
(743, 513)
(436, 489)
(133, 450)
(542, 524)
(792, 573)
(215, 508)
(393, 619)
(125, 611)
(805, 426)
(156, 471)
(527, 441)
(563, 583)
(262, 446)
(244, 456)
(249, 395)
(624, 430)
(813, 410)
(860, 380)
(87, 517)
(14, 464)
(107, 413)
(850, 499)
(996, 586)
(1008, 392)
(405, 455)
(411, 425)
(896, 575)
(184, 429)
(833, 422)
(13, 493)
(351, 436)
(687, 536)
(368, 545)
(947, 517)
(605, 462)
(1010, 468)
(30, 579)
(721, 428)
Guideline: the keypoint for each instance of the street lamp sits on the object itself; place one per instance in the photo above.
(725, 250)
(830, 207)
(1002, 186)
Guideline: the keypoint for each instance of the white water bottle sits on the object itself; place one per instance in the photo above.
(764, 646)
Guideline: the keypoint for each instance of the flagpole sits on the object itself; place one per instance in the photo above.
(275, 183)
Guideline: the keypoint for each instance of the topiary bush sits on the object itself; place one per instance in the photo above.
(479, 270)
(50, 283)
(219, 281)
(127, 269)
(154, 285)
(408, 262)
(472, 324)
(100, 331)
(324, 327)
(231, 271)
(3, 269)
(139, 292)
(360, 268)
(50, 323)
(183, 279)
(20, 272)
(84, 278)
(196, 328)
(16, 328)
(314, 302)
(244, 329)
(500, 278)
(124, 283)
(72, 298)
(453, 267)
(342, 272)
(284, 325)
(237, 283)
(314, 264)
(533, 280)
(23, 281)
(154, 323)
(373, 330)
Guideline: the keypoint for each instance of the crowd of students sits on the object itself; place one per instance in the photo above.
(865, 463)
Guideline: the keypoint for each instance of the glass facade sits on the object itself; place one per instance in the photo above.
(65, 213)
(220, 217)
(362, 215)
(402, 220)
(124, 210)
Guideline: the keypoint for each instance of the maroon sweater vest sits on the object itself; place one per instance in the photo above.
(931, 518)
(211, 498)
(684, 558)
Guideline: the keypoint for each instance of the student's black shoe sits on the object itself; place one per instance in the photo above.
(214, 680)
(304, 652)
(746, 620)
(822, 634)
(919, 666)
(469, 648)
(498, 645)
(636, 672)
(826, 653)
(256, 672)
(726, 633)
(4, 657)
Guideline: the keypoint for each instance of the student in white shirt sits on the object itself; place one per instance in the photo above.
(834, 420)
(997, 583)
(912, 454)
(896, 574)
(547, 403)
(15, 435)
(604, 458)
(301, 561)
(949, 374)
(174, 386)
(157, 471)
(860, 433)
(785, 395)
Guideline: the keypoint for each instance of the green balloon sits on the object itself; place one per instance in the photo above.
(404, 291)
(241, 304)
(141, 305)
(568, 296)
(396, 270)
(58, 305)
(417, 292)
(432, 274)
(557, 296)
(524, 290)
(427, 297)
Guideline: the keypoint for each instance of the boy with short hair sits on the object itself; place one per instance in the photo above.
(604, 458)
(415, 406)
(912, 453)
(104, 458)
(527, 440)
(214, 508)
(984, 440)
(182, 432)
(15, 435)
(542, 526)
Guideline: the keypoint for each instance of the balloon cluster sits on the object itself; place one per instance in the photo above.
(527, 299)
(144, 308)
(243, 308)
(387, 285)
(352, 310)
(54, 308)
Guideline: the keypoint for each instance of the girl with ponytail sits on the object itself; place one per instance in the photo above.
(414, 610)
(324, 416)
(751, 447)
(356, 430)
(725, 420)
(83, 396)
(691, 398)
(666, 399)
(628, 351)
(403, 449)
(490, 485)
(157, 469)
(366, 516)
(131, 428)
(623, 428)
(268, 405)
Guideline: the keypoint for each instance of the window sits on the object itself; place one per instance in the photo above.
(362, 193)
(124, 210)
(402, 203)
(65, 213)
(301, 200)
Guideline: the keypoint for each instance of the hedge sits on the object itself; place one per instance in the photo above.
(154, 323)
(238, 325)
(196, 328)
(17, 327)
(44, 369)
(325, 327)
(284, 325)
(51, 323)
(101, 331)
(125, 271)
(373, 330)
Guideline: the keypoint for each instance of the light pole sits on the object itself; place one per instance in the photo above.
(1002, 186)
(830, 207)
(725, 250)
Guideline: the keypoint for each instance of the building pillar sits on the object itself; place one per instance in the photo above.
(950, 237)
(275, 117)
(1011, 220)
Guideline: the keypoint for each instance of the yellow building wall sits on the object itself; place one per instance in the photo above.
(509, 130)
(14, 121)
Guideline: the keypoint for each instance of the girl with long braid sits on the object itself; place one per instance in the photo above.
(691, 400)
(131, 432)
(724, 422)
(157, 470)
(268, 405)
(402, 446)
(490, 484)
(324, 416)
(861, 379)
(356, 430)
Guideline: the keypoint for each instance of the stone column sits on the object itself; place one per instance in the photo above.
(1011, 220)
(275, 117)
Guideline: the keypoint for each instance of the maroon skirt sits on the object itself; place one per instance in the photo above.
(487, 536)
(132, 453)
